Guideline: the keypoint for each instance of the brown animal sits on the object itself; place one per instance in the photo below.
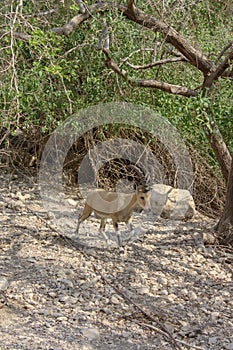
(117, 206)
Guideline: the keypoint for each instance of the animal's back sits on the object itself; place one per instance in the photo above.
(108, 202)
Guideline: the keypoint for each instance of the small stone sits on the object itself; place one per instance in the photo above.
(114, 300)
(72, 202)
(228, 346)
(213, 340)
(185, 291)
(62, 318)
(91, 333)
(126, 334)
(68, 283)
(192, 295)
(4, 283)
(172, 297)
(64, 298)
(164, 292)
(161, 280)
(143, 290)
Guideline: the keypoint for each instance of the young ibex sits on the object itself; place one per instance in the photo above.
(117, 206)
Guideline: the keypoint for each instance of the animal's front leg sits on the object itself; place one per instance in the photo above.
(130, 228)
(129, 225)
(115, 224)
(102, 230)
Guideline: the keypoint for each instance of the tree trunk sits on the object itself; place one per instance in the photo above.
(220, 149)
(224, 227)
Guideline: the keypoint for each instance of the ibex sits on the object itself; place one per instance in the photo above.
(117, 206)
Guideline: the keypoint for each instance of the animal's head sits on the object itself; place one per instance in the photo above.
(143, 196)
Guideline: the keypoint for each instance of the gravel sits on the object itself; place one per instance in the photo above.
(57, 293)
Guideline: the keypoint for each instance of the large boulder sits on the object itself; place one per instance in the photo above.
(171, 203)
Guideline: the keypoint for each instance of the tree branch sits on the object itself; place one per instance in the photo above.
(173, 89)
(133, 13)
(17, 35)
(104, 40)
(216, 73)
(223, 51)
(193, 56)
(80, 18)
(81, 6)
(157, 63)
(130, 6)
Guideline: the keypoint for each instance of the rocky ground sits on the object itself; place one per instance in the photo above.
(164, 290)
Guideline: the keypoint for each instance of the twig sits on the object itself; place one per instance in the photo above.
(158, 63)
(45, 13)
(148, 83)
(177, 340)
(75, 48)
(81, 6)
(135, 52)
(223, 51)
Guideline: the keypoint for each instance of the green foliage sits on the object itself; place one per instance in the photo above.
(57, 75)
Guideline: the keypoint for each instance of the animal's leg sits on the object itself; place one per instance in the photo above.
(102, 229)
(115, 225)
(85, 214)
(130, 228)
(102, 224)
(129, 224)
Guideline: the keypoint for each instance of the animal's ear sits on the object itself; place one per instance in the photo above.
(142, 189)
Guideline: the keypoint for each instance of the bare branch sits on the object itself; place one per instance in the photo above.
(216, 73)
(22, 36)
(228, 74)
(193, 56)
(157, 63)
(154, 84)
(130, 6)
(16, 35)
(80, 18)
(104, 40)
(162, 332)
(75, 48)
(81, 6)
(45, 13)
(223, 51)
(135, 52)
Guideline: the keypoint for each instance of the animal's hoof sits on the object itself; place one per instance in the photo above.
(108, 242)
(121, 250)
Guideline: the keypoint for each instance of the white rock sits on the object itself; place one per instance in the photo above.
(171, 203)
(4, 283)
(192, 295)
(213, 340)
(143, 290)
(91, 333)
(164, 292)
(114, 299)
